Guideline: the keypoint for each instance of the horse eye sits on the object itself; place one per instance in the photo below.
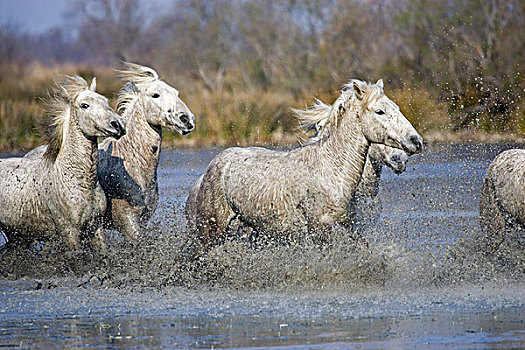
(380, 112)
(155, 95)
(84, 105)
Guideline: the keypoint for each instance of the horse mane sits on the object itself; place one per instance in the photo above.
(314, 118)
(57, 107)
(322, 117)
(126, 95)
(134, 75)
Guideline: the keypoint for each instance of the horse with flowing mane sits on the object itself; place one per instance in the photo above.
(55, 192)
(365, 206)
(128, 167)
(306, 190)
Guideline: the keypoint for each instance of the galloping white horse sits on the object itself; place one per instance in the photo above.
(56, 191)
(128, 166)
(365, 206)
(306, 190)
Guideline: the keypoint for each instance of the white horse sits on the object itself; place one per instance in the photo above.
(306, 190)
(502, 202)
(56, 191)
(128, 166)
(365, 207)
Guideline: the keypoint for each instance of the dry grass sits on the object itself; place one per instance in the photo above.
(22, 87)
(422, 109)
(240, 118)
(229, 115)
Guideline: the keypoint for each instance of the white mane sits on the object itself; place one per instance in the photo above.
(57, 113)
(321, 117)
(134, 75)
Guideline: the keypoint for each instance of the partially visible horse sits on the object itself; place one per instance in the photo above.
(56, 191)
(502, 202)
(128, 166)
(306, 190)
(365, 207)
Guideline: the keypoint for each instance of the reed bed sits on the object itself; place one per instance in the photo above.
(232, 114)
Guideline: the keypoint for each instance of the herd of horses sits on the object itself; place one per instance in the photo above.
(75, 187)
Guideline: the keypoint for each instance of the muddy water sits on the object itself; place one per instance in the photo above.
(422, 283)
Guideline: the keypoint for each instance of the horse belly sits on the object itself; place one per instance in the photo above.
(271, 217)
(30, 221)
(21, 209)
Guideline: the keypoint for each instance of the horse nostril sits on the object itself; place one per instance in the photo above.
(119, 128)
(185, 119)
(417, 141)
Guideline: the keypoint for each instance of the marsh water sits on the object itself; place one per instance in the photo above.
(421, 284)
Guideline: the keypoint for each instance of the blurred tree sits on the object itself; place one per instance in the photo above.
(13, 44)
(281, 42)
(467, 54)
(198, 39)
(466, 49)
(111, 29)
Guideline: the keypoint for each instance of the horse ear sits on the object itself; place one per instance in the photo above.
(152, 73)
(380, 83)
(93, 86)
(359, 89)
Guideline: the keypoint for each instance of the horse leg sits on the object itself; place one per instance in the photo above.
(325, 231)
(72, 236)
(212, 219)
(213, 225)
(127, 220)
(99, 240)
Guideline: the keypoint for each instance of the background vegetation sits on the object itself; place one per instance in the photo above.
(455, 67)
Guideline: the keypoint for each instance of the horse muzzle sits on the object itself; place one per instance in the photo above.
(188, 121)
(398, 163)
(184, 123)
(413, 145)
(118, 129)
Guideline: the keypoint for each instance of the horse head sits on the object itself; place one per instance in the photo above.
(381, 120)
(95, 117)
(74, 101)
(393, 158)
(161, 103)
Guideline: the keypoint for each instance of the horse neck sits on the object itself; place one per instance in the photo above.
(142, 142)
(342, 155)
(78, 158)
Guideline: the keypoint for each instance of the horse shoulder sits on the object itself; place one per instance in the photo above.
(508, 175)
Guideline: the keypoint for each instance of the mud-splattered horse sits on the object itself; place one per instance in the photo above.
(365, 207)
(306, 190)
(55, 192)
(128, 166)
